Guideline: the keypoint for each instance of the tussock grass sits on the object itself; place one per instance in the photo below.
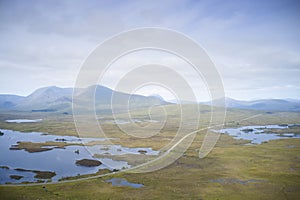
(275, 164)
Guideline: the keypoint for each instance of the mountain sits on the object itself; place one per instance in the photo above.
(9, 101)
(178, 101)
(105, 97)
(262, 104)
(47, 98)
(56, 99)
(52, 99)
(293, 100)
(157, 96)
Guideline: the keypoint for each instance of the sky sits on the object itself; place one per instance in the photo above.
(255, 45)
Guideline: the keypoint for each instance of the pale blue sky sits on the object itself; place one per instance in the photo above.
(254, 44)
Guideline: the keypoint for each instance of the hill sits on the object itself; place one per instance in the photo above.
(56, 99)
(262, 104)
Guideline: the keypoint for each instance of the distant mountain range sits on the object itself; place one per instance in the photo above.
(56, 99)
(262, 104)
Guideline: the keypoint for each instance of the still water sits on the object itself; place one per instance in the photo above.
(123, 182)
(260, 134)
(62, 161)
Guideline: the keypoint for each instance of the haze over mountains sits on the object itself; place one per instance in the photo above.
(56, 99)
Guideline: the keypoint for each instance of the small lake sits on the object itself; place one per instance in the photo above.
(123, 182)
(260, 134)
(62, 161)
(23, 120)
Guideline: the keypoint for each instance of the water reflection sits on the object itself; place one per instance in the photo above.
(123, 182)
(260, 134)
(23, 120)
(59, 160)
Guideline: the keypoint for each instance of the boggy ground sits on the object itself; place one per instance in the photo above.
(273, 166)
(231, 171)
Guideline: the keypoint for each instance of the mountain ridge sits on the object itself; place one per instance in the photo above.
(259, 104)
(53, 98)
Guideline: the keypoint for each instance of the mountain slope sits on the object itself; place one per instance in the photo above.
(55, 99)
(9, 101)
(51, 99)
(46, 98)
(262, 104)
(105, 97)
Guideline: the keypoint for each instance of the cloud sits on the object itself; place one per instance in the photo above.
(254, 44)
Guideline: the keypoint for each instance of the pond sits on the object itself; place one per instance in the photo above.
(61, 161)
(23, 120)
(260, 134)
(123, 182)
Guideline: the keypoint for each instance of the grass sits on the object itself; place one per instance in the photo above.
(39, 174)
(190, 177)
(88, 162)
(274, 165)
(32, 147)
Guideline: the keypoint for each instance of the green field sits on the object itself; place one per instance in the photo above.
(232, 170)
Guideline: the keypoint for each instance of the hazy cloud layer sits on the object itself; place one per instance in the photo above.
(254, 44)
